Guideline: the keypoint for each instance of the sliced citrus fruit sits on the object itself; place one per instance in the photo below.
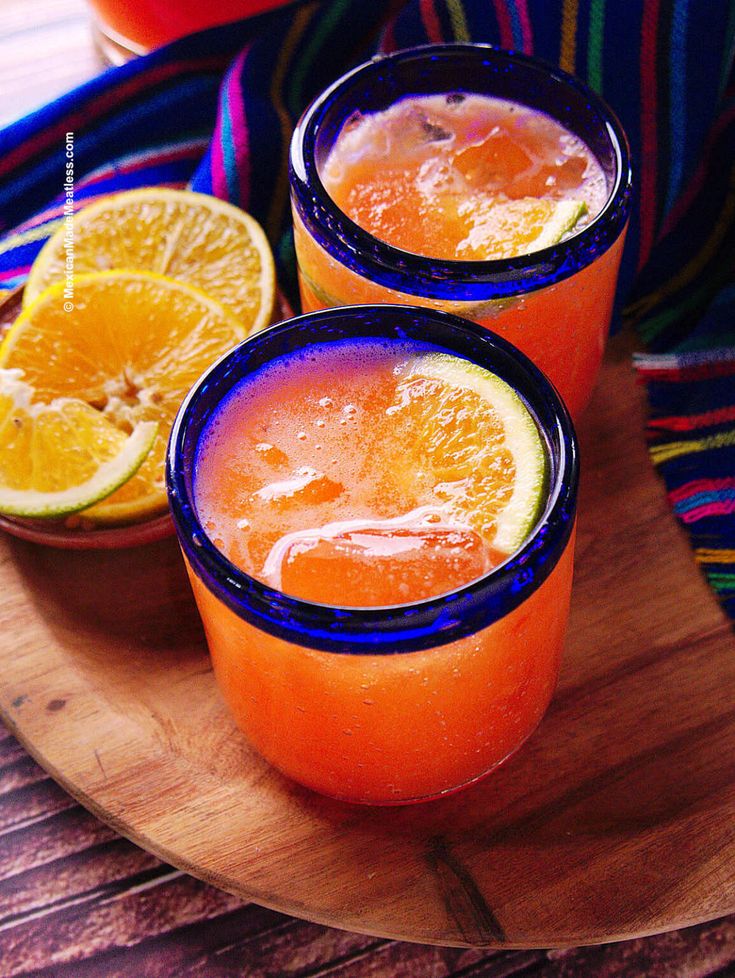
(509, 228)
(476, 437)
(61, 457)
(184, 235)
(131, 348)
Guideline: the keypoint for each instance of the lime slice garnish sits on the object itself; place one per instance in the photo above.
(483, 446)
(511, 228)
(564, 216)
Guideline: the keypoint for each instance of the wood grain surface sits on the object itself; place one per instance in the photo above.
(76, 901)
(615, 820)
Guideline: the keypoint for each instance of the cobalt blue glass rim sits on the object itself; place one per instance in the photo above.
(385, 79)
(403, 627)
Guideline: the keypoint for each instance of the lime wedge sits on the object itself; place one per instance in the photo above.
(61, 457)
(565, 215)
(483, 446)
(511, 228)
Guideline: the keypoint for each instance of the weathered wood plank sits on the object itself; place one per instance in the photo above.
(45, 49)
(72, 934)
(400, 960)
(36, 801)
(83, 877)
(21, 772)
(10, 750)
(248, 942)
(296, 948)
(55, 837)
(695, 952)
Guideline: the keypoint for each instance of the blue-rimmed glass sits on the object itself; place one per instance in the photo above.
(399, 628)
(440, 68)
(385, 705)
(556, 303)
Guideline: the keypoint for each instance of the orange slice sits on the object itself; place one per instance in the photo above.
(131, 348)
(59, 458)
(508, 228)
(184, 235)
(476, 437)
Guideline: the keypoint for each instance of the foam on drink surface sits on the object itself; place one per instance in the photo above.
(428, 174)
(307, 479)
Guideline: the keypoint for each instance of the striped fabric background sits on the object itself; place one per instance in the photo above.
(216, 111)
(666, 68)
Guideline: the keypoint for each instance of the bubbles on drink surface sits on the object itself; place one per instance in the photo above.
(386, 512)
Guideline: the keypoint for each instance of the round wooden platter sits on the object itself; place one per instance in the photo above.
(615, 820)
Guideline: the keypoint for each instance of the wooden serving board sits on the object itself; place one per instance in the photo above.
(615, 820)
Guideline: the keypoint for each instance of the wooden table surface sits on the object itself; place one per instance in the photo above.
(77, 900)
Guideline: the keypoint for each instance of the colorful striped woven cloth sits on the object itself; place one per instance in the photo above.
(215, 111)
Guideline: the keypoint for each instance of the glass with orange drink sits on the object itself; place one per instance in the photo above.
(473, 180)
(376, 505)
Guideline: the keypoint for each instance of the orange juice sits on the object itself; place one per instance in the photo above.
(464, 199)
(341, 490)
(308, 480)
(454, 176)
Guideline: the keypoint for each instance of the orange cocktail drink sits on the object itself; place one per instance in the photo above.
(137, 26)
(471, 180)
(376, 506)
